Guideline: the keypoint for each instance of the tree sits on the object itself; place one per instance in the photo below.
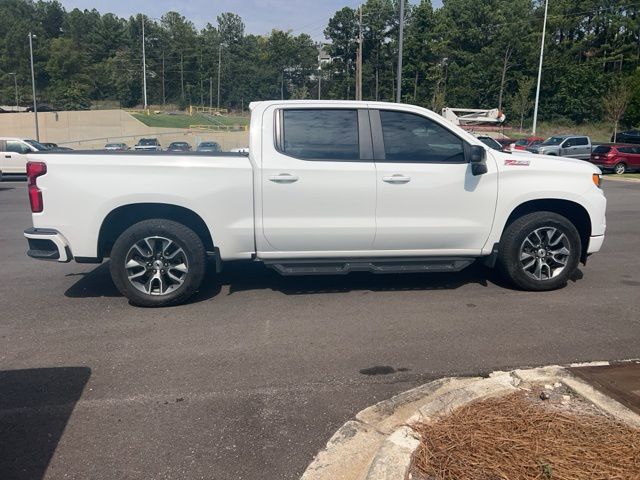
(615, 102)
(521, 102)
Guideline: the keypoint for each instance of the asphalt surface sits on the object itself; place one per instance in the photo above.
(250, 379)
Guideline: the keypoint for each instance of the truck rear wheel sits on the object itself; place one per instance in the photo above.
(157, 263)
(539, 251)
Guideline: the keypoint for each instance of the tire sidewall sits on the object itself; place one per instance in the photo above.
(510, 260)
(184, 237)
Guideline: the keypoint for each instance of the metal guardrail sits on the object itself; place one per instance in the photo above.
(210, 111)
(220, 128)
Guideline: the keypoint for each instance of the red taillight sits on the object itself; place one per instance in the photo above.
(35, 170)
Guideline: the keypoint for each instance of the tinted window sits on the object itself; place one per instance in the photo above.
(522, 143)
(17, 147)
(601, 149)
(579, 141)
(490, 142)
(553, 141)
(321, 134)
(413, 138)
(625, 149)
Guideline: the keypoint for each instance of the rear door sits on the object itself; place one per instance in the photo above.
(318, 181)
(428, 201)
(582, 147)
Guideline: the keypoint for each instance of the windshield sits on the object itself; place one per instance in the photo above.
(36, 145)
(553, 141)
(490, 142)
(148, 141)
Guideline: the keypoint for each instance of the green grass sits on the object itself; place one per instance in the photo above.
(630, 175)
(599, 132)
(163, 120)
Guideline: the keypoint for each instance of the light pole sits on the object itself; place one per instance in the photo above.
(319, 82)
(535, 109)
(400, 40)
(144, 66)
(33, 86)
(15, 82)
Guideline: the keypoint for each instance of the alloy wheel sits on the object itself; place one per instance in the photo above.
(544, 253)
(156, 265)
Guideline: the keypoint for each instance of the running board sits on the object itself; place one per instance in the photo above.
(342, 266)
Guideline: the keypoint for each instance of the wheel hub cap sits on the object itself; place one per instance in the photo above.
(156, 265)
(544, 253)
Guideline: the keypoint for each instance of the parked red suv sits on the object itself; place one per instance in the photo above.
(617, 158)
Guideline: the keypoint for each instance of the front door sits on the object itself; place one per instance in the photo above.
(14, 157)
(428, 200)
(318, 182)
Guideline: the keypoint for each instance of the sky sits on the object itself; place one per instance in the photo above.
(259, 16)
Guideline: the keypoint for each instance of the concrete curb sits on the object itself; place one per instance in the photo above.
(379, 444)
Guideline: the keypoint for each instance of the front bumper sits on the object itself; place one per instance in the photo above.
(47, 244)
(595, 244)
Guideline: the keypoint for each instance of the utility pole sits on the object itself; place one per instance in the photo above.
(33, 86)
(210, 93)
(400, 39)
(359, 59)
(282, 85)
(15, 82)
(535, 109)
(319, 82)
(144, 66)
(219, 66)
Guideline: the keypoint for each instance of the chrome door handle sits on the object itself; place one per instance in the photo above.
(283, 178)
(397, 178)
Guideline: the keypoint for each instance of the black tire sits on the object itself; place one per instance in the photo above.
(620, 168)
(192, 255)
(509, 261)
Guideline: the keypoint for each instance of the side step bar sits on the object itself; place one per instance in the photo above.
(342, 266)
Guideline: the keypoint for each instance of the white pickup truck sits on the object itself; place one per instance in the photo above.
(329, 187)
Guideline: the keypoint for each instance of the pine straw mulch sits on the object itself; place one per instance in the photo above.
(520, 436)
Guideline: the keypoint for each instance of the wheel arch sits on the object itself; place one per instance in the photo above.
(121, 218)
(572, 211)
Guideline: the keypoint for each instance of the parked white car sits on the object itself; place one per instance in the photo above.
(328, 188)
(13, 154)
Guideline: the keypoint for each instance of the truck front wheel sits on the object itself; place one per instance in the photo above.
(157, 263)
(539, 251)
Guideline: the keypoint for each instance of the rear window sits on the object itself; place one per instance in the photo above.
(601, 149)
(321, 134)
(522, 143)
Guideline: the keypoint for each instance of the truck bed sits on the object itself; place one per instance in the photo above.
(81, 188)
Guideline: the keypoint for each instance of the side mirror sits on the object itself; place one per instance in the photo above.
(477, 157)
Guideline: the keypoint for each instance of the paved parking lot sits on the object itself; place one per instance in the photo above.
(250, 379)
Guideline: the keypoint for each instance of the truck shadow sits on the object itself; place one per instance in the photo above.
(243, 276)
(35, 407)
